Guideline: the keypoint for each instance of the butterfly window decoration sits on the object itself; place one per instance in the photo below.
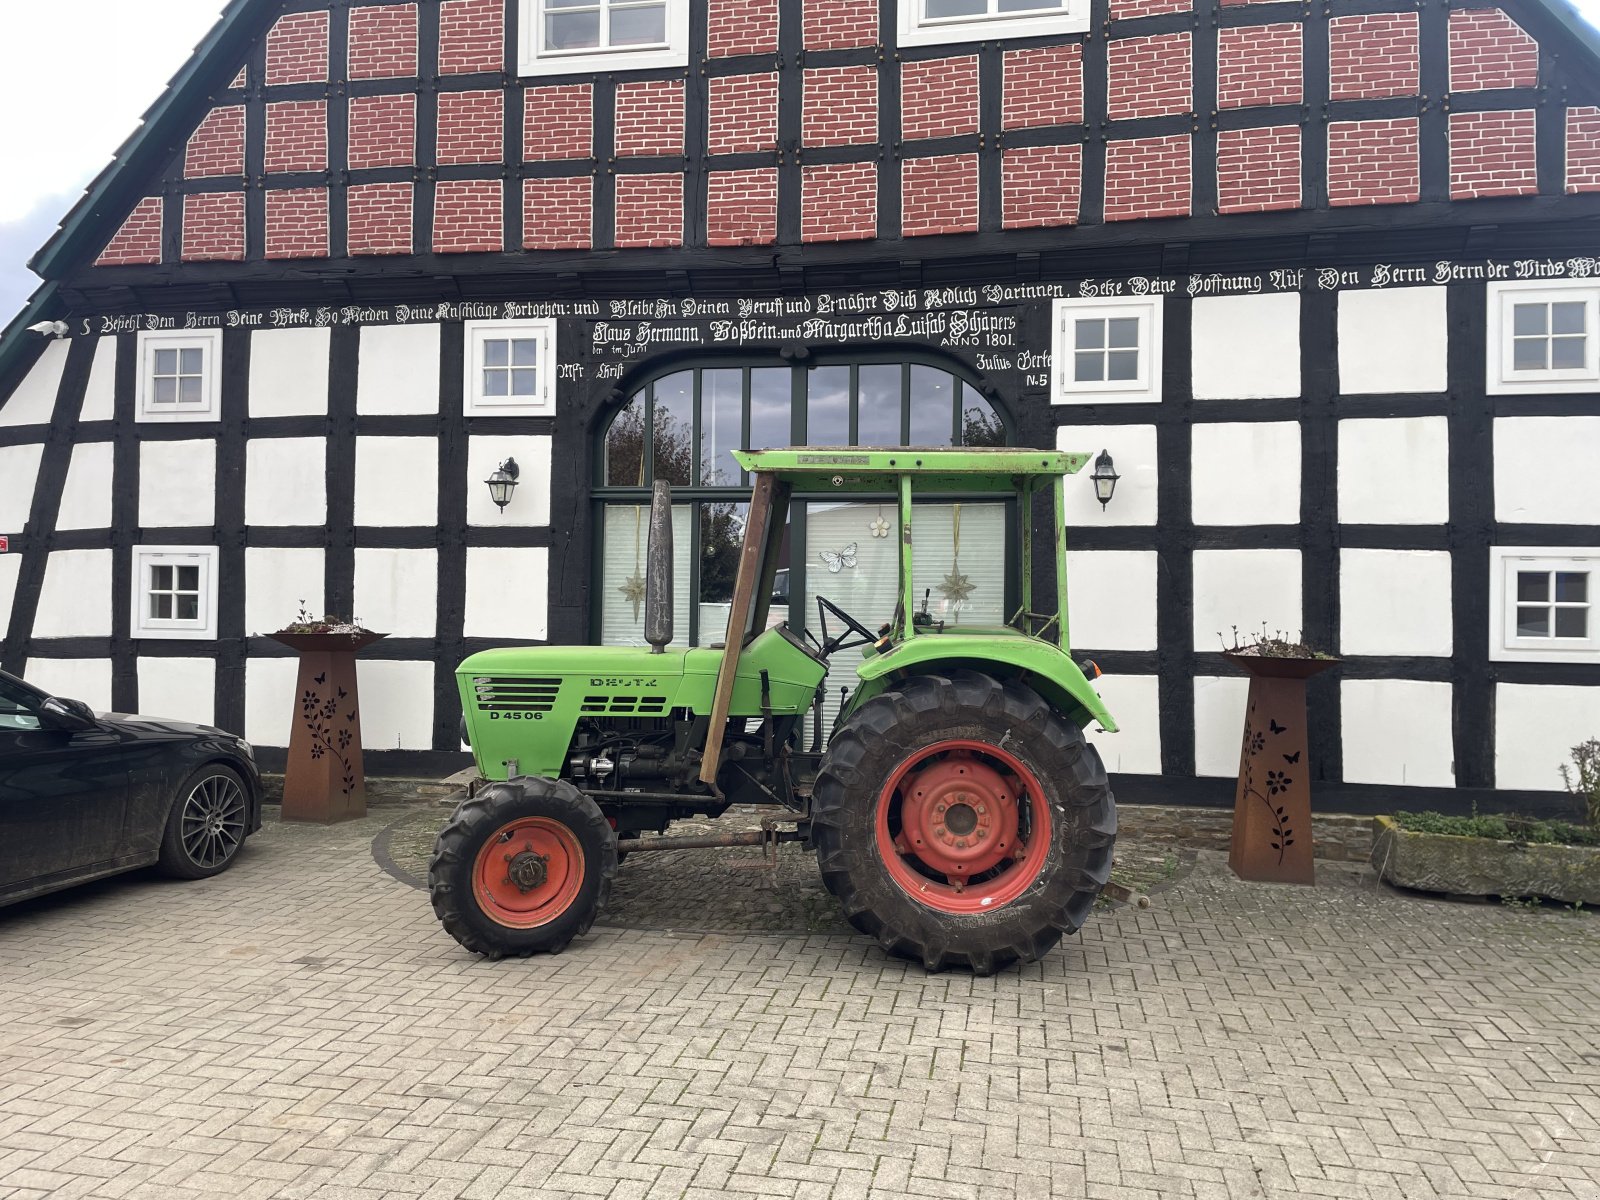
(839, 560)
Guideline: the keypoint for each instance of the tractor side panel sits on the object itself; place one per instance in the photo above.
(524, 704)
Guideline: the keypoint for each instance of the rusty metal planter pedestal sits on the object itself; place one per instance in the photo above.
(1272, 805)
(325, 780)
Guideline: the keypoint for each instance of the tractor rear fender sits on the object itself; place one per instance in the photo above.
(1046, 669)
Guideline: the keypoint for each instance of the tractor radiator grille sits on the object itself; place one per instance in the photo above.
(624, 706)
(508, 693)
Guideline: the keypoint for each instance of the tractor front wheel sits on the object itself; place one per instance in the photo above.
(961, 821)
(522, 868)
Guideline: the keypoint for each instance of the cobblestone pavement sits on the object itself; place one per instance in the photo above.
(300, 1026)
(732, 890)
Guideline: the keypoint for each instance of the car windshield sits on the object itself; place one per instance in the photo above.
(19, 706)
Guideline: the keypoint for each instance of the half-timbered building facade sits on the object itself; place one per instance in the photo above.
(1322, 279)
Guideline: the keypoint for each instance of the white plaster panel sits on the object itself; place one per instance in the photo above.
(530, 503)
(508, 592)
(1246, 347)
(1394, 471)
(1394, 602)
(10, 568)
(1535, 729)
(286, 481)
(181, 689)
(19, 469)
(177, 483)
(1219, 703)
(397, 591)
(1398, 731)
(397, 481)
(75, 600)
(1246, 473)
(1248, 589)
(396, 704)
(269, 700)
(398, 369)
(277, 581)
(1392, 340)
(1134, 704)
(1111, 599)
(1133, 451)
(289, 372)
(1545, 470)
(100, 397)
(86, 679)
(86, 495)
(34, 400)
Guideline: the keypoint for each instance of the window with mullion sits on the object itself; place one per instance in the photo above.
(1552, 604)
(178, 376)
(1544, 336)
(1549, 336)
(936, 11)
(580, 26)
(1540, 604)
(511, 367)
(683, 428)
(1105, 349)
(174, 592)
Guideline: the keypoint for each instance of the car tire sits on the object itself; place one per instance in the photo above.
(206, 825)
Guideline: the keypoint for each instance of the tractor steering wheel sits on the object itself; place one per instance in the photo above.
(831, 646)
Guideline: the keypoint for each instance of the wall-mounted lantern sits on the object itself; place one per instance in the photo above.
(503, 482)
(1105, 479)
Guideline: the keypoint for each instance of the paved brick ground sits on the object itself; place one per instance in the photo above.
(301, 1027)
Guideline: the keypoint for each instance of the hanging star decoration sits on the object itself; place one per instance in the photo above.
(956, 586)
(632, 591)
(880, 527)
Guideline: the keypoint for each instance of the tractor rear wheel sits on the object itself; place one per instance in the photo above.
(962, 821)
(522, 868)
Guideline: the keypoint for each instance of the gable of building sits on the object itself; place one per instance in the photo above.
(382, 130)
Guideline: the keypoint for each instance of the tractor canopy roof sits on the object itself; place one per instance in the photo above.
(932, 469)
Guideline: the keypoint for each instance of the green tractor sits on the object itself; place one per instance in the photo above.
(956, 810)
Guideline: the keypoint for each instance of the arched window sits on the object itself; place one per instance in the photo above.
(683, 427)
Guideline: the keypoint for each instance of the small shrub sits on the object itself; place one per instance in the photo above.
(1585, 782)
(1509, 828)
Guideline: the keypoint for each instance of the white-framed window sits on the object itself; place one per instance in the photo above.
(1544, 336)
(178, 375)
(511, 368)
(1106, 351)
(934, 22)
(174, 592)
(1543, 604)
(564, 36)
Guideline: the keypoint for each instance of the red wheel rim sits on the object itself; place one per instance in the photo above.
(963, 826)
(528, 873)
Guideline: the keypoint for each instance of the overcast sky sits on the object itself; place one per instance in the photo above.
(75, 77)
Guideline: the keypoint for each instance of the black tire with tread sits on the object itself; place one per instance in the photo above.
(172, 859)
(479, 818)
(968, 705)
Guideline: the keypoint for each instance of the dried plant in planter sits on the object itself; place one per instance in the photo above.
(1585, 782)
(1270, 644)
(304, 622)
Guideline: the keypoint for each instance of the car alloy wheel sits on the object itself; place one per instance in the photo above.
(213, 823)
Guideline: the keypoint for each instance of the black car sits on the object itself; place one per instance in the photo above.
(84, 795)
